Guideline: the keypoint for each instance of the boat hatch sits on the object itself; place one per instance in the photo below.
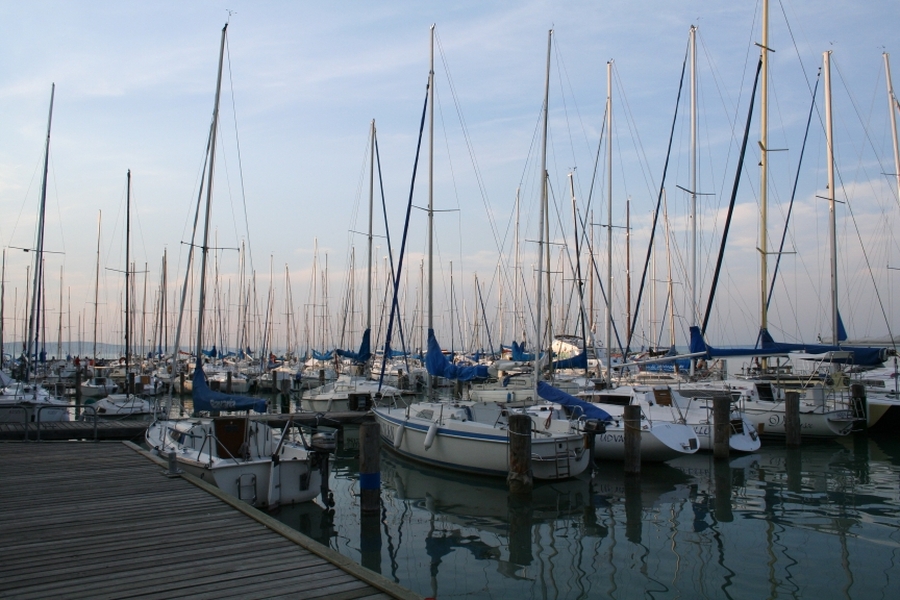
(663, 396)
(231, 432)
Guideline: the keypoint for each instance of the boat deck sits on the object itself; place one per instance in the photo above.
(103, 520)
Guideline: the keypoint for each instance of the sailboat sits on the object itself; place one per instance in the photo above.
(470, 436)
(25, 400)
(355, 391)
(127, 405)
(761, 393)
(243, 457)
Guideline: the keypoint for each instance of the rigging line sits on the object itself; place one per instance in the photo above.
(387, 234)
(409, 205)
(468, 140)
(659, 198)
(858, 114)
(862, 245)
(635, 136)
(737, 178)
(797, 50)
(784, 232)
(237, 140)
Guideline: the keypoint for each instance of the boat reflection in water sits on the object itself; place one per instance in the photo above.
(821, 521)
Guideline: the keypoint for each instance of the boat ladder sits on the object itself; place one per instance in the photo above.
(562, 461)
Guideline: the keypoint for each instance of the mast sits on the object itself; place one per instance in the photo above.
(430, 317)
(893, 107)
(609, 292)
(694, 313)
(371, 211)
(97, 282)
(209, 187)
(764, 172)
(60, 326)
(2, 305)
(128, 389)
(39, 251)
(832, 227)
(541, 241)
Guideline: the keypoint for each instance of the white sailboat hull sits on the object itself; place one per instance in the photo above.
(473, 447)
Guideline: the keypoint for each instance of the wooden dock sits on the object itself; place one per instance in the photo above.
(134, 430)
(103, 520)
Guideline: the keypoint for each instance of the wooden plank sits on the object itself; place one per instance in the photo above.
(98, 520)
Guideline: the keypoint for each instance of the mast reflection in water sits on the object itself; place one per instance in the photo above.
(822, 521)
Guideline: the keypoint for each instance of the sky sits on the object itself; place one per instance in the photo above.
(134, 90)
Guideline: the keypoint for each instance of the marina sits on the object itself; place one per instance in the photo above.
(821, 521)
(86, 520)
(577, 366)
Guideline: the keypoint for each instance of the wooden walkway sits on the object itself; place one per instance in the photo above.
(102, 520)
(134, 430)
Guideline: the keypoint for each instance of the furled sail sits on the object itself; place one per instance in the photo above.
(438, 365)
(576, 407)
(206, 399)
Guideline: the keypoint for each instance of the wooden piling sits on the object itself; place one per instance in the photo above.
(520, 478)
(860, 406)
(370, 467)
(285, 395)
(228, 385)
(792, 419)
(632, 458)
(77, 393)
(721, 426)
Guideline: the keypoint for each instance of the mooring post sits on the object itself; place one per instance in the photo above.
(632, 458)
(520, 478)
(792, 419)
(228, 382)
(721, 426)
(370, 467)
(129, 383)
(77, 393)
(181, 384)
(321, 376)
(285, 395)
(859, 405)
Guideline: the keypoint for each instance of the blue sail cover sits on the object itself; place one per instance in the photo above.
(438, 365)
(320, 356)
(552, 394)
(519, 354)
(698, 344)
(862, 355)
(579, 361)
(365, 352)
(208, 400)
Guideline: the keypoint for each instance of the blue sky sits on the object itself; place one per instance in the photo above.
(134, 90)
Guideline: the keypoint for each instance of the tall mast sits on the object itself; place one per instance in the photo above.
(430, 317)
(97, 283)
(609, 292)
(371, 211)
(832, 226)
(893, 107)
(543, 175)
(764, 170)
(2, 305)
(209, 188)
(39, 250)
(694, 314)
(128, 282)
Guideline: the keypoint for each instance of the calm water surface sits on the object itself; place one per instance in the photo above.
(819, 522)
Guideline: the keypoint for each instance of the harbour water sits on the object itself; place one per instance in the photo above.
(819, 522)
